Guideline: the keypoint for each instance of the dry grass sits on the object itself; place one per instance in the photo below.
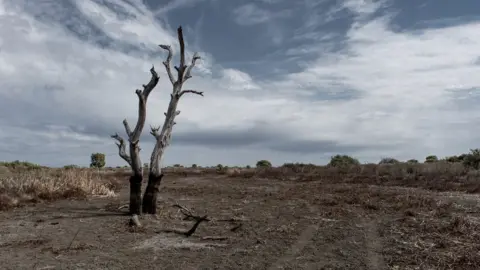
(402, 216)
(438, 176)
(20, 185)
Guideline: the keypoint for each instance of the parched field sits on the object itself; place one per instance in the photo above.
(257, 222)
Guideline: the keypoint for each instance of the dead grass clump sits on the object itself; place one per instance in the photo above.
(51, 184)
(435, 235)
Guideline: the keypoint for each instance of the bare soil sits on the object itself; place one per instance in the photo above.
(254, 224)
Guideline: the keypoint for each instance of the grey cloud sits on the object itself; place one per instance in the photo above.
(251, 14)
(256, 137)
(315, 146)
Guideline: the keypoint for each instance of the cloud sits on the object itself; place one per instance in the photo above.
(176, 4)
(68, 72)
(251, 14)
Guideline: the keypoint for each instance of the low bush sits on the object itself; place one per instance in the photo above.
(342, 161)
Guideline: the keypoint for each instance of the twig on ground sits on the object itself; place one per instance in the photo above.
(194, 227)
(219, 238)
(188, 213)
(73, 239)
(235, 228)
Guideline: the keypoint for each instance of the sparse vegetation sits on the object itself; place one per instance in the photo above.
(398, 205)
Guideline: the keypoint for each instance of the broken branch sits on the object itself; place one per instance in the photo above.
(128, 130)
(166, 63)
(190, 67)
(142, 105)
(192, 92)
(122, 148)
(151, 84)
(154, 131)
(182, 66)
(195, 226)
(188, 213)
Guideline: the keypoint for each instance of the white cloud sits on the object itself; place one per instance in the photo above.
(403, 107)
(175, 4)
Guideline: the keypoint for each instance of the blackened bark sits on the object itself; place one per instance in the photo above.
(136, 194)
(149, 205)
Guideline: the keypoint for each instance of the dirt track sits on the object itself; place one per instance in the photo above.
(284, 225)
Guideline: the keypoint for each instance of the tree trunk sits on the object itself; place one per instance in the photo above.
(136, 194)
(151, 193)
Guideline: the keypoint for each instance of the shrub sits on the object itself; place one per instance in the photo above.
(71, 166)
(219, 167)
(412, 161)
(472, 159)
(263, 164)
(431, 159)
(20, 164)
(248, 167)
(388, 161)
(194, 166)
(97, 160)
(178, 166)
(342, 160)
(297, 165)
(454, 159)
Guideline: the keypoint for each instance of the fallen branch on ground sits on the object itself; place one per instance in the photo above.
(219, 238)
(188, 213)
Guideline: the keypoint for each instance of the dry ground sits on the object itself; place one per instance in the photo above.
(255, 223)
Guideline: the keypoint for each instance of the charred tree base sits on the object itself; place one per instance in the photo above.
(136, 194)
(149, 205)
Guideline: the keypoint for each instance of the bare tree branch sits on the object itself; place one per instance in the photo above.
(128, 130)
(154, 131)
(190, 91)
(147, 89)
(190, 67)
(181, 68)
(122, 148)
(163, 136)
(142, 105)
(166, 63)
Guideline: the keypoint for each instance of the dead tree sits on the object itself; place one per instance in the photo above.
(163, 136)
(133, 158)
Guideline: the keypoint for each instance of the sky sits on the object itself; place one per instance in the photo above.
(283, 80)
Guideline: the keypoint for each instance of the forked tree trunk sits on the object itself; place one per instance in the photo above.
(149, 205)
(135, 194)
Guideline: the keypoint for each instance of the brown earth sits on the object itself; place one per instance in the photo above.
(280, 224)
